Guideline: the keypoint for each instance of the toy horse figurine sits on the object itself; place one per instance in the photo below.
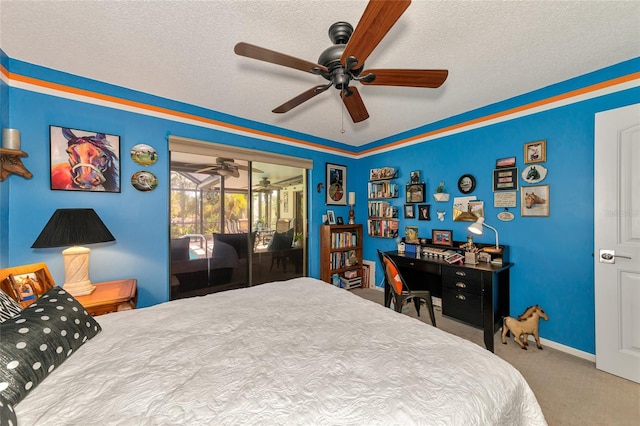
(525, 324)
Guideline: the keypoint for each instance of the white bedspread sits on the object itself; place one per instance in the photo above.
(298, 352)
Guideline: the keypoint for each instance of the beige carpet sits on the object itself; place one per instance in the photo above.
(570, 390)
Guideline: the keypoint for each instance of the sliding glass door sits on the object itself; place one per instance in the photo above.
(234, 223)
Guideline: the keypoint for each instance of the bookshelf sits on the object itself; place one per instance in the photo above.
(382, 215)
(340, 251)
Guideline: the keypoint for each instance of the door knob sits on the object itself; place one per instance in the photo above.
(609, 256)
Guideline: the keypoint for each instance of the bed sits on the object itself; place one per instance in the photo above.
(291, 352)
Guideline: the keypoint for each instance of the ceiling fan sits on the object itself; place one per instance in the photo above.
(265, 185)
(226, 167)
(343, 62)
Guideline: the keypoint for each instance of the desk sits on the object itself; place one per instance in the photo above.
(477, 295)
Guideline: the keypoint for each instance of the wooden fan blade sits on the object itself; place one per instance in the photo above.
(376, 21)
(206, 169)
(302, 97)
(355, 106)
(409, 78)
(262, 54)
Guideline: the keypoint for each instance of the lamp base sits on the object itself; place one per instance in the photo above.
(81, 288)
(352, 216)
(76, 271)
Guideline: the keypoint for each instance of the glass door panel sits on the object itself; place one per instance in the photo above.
(278, 218)
(234, 223)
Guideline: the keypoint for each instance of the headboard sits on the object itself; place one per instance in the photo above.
(40, 268)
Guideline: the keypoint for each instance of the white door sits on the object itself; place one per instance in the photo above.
(617, 241)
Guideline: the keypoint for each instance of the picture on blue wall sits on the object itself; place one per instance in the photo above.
(84, 160)
(336, 184)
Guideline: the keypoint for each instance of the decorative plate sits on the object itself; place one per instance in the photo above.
(144, 154)
(466, 184)
(506, 216)
(534, 174)
(144, 181)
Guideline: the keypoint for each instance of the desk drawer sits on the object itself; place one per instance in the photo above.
(462, 280)
(463, 306)
(417, 264)
(457, 273)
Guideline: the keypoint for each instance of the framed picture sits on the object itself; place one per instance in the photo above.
(505, 179)
(25, 284)
(339, 220)
(424, 212)
(409, 212)
(84, 160)
(416, 193)
(505, 162)
(411, 235)
(331, 217)
(442, 237)
(336, 184)
(535, 152)
(466, 184)
(534, 201)
(415, 176)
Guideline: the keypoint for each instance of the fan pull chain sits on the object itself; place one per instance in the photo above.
(342, 111)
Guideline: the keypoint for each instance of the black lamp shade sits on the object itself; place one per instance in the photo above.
(71, 227)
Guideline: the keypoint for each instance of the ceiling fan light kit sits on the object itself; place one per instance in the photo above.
(343, 63)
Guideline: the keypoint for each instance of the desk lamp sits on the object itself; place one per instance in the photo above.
(476, 228)
(72, 227)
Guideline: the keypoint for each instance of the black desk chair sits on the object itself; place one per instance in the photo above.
(400, 291)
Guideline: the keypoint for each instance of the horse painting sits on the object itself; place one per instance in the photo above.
(92, 164)
(533, 174)
(531, 199)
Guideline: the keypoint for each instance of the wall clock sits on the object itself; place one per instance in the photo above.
(466, 184)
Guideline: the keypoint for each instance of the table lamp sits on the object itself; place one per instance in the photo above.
(352, 202)
(73, 227)
(476, 228)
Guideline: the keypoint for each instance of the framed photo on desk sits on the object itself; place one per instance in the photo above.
(442, 237)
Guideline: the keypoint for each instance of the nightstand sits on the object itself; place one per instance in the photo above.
(111, 296)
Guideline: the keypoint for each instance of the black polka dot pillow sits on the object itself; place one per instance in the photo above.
(7, 414)
(39, 339)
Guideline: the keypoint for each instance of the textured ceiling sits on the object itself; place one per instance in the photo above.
(183, 50)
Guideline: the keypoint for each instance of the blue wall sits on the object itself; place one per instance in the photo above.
(4, 187)
(138, 220)
(553, 255)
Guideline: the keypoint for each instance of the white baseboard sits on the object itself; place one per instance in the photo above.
(566, 349)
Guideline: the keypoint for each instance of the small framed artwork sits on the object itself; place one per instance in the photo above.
(84, 160)
(424, 212)
(415, 176)
(442, 237)
(505, 162)
(339, 220)
(466, 184)
(535, 152)
(331, 217)
(409, 211)
(505, 179)
(336, 184)
(534, 201)
(411, 235)
(416, 193)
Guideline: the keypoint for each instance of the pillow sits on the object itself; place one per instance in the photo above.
(39, 339)
(7, 413)
(393, 276)
(8, 307)
(281, 241)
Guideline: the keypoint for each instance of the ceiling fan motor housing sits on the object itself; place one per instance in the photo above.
(339, 33)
